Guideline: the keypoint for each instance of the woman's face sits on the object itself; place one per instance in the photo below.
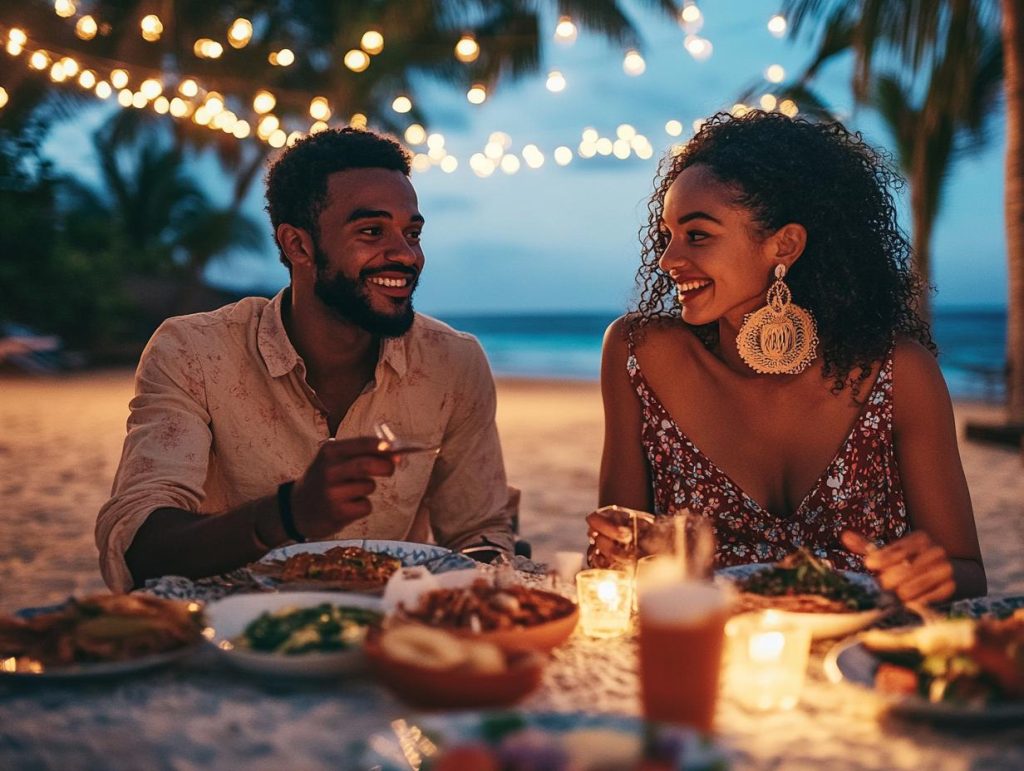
(720, 265)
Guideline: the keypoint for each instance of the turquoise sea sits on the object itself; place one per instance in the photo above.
(972, 343)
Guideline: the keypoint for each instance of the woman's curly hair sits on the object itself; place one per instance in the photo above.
(853, 275)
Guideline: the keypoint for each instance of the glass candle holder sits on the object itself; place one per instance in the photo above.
(767, 657)
(605, 600)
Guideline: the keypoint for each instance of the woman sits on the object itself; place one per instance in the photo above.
(798, 334)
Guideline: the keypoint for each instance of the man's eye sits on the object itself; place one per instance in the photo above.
(414, 235)
(373, 230)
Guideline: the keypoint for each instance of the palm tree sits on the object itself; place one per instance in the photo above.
(915, 34)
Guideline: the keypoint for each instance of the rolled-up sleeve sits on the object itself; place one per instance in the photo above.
(166, 450)
(468, 495)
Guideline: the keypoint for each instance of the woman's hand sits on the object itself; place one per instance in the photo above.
(618, 536)
(914, 567)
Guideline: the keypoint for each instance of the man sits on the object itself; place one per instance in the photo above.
(253, 425)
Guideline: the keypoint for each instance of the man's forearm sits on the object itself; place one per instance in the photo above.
(179, 542)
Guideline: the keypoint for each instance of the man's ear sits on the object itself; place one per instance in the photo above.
(787, 244)
(296, 244)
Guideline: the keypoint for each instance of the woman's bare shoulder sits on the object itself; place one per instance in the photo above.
(914, 366)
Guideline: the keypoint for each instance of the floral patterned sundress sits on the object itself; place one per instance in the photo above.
(859, 490)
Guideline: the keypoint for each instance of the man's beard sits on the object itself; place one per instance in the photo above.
(349, 299)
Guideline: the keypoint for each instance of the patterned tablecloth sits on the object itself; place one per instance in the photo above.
(199, 714)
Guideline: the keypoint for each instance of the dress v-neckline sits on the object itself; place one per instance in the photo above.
(840, 452)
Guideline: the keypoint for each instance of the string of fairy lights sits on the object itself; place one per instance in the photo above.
(253, 117)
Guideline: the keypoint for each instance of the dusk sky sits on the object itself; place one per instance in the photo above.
(565, 238)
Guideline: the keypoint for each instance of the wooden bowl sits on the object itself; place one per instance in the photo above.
(457, 688)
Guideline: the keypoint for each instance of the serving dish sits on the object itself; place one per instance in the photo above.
(822, 625)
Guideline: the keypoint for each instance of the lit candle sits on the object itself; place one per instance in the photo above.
(605, 599)
(767, 660)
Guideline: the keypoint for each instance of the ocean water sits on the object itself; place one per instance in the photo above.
(972, 343)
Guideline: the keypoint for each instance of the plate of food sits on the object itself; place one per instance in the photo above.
(807, 589)
(957, 669)
(351, 566)
(293, 633)
(433, 669)
(99, 636)
(515, 617)
(516, 740)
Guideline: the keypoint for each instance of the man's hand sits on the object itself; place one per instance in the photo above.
(333, 491)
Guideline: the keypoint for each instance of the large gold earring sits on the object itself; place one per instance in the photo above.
(780, 338)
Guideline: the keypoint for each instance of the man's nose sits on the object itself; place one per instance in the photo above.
(402, 252)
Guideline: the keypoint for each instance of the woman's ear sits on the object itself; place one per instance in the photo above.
(296, 244)
(787, 244)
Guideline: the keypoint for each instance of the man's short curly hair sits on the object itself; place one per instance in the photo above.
(296, 182)
(854, 273)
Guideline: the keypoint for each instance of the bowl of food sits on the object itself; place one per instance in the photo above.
(293, 633)
(515, 618)
(433, 669)
(808, 590)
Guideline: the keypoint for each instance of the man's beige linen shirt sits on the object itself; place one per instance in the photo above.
(222, 414)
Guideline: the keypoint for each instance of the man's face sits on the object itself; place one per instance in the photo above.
(368, 255)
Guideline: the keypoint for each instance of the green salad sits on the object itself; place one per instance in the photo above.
(318, 629)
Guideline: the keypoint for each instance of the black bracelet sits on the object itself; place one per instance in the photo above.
(284, 507)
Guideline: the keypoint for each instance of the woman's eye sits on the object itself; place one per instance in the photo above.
(696, 235)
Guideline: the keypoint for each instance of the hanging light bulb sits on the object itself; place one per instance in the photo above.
(86, 28)
(119, 78)
(698, 47)
(415, 134)
(633, 63)
(139, 100)
(449, 164)
(124, 97)
(205, 48)
(477, 94)
(151, 88)
(103, 90)
(188, 87)
(70, 66)
(161, 105)
(768, 102)
(319, 109)
(533, 156)
(57, 74)
(775, 73)
(263, 102)
(777, 25)
(467, 49)
(242, 129)
(372, 42)
(402, 104)
(179, 107)
(691, 18)
(555, 82)
(282, 58)
(40, 60)
(87, 79)
(277, 139)
(789, 108)
(358, 120)
(267, 125)
(565, 30)
(357, 60)
(152, 28)
(239, 33)
(317, 127)
(563, 155)
(673, 128)
(214, 103)
(294, 137)
(64, 8)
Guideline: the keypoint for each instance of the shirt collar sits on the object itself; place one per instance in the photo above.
(276, 349)
(281, 357)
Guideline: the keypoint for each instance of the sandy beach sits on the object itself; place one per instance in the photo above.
(60, 440)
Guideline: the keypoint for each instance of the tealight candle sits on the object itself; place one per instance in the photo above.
(767, 660)
(605, 600)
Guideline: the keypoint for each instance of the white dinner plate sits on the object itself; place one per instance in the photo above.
(854, 663)
(821, 625)
(228, 618)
